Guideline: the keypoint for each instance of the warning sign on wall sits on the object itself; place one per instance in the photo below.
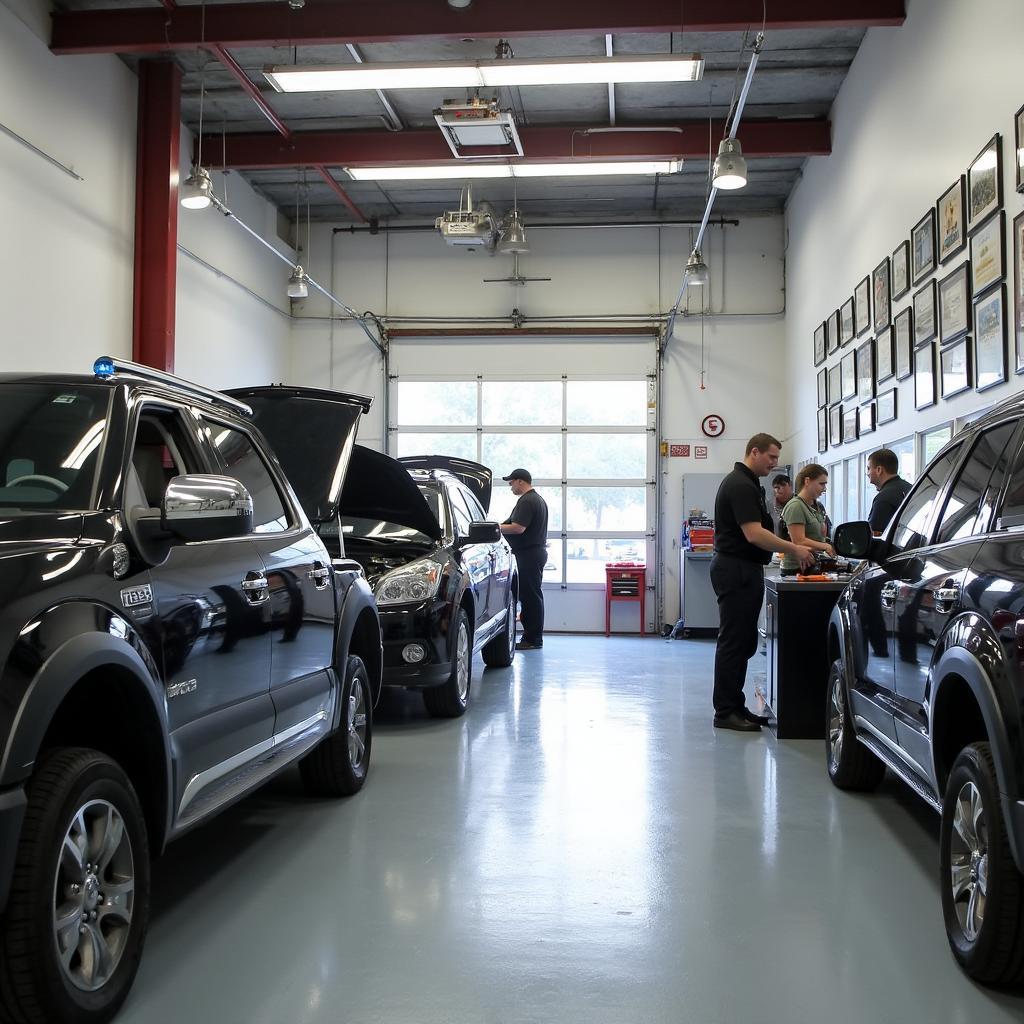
(679, 451)
(700, 452)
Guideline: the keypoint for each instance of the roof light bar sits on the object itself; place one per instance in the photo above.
(487, 73)
(463, 171)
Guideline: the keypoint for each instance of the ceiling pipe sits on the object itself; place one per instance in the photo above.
(758, 43)
(385, 228)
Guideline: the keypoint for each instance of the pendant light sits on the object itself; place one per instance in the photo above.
(696, 273)
(513, 235)
(730, 171)
(197, 190)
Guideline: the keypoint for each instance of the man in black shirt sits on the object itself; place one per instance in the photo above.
(744, 540)
(526, 531)
(883, 473)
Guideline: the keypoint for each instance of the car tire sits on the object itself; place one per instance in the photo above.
(451, 698)
(501, 651)
(850, 764)
(92, 905)
(339, 764)
(982, 890)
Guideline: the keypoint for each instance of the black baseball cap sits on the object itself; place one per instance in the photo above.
(519, 474)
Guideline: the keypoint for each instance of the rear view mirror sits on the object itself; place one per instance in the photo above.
(853, 540)
(483, 533)
(202, 506)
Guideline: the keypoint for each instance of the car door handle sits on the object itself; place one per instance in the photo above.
(320, 575)
(946, 598)
(256, 588)
(888, 595)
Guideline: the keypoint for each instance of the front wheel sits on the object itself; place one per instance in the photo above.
(850, 764)
(500, 652)
(73, 930)
(338, 765)
(982, 890)
(451, 698)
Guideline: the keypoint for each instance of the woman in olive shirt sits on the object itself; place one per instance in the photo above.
(804, 517)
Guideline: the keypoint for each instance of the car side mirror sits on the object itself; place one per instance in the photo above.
(202, 506)
(853, 540)
(483, 533)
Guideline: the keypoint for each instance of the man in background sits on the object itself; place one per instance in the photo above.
(526, 531)
(883, 474)
(782, 487)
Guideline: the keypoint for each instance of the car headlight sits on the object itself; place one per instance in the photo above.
(411, 584)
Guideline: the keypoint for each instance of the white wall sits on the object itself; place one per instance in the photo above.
(613, 271)
(919, 103)
(66, 268)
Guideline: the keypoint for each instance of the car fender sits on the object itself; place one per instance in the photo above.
(357, 598)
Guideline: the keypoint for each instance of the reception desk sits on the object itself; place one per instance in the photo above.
(796, 677)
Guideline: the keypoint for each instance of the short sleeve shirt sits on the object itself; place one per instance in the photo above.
(798, 513)
(741, 499)
(531, 512)
(889, 498)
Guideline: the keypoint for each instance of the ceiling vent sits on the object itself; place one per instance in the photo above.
(468, 125)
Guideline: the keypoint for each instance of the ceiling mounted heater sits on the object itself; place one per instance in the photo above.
(475, 123)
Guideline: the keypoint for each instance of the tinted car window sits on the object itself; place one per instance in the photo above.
(912, 524)
(476, 513)
(162, 450)
(960, 515)
(1012, 512)
(49, 439)
(460, 511)
(244, 463)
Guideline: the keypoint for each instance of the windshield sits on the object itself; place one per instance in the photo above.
(384, 533)
(50, 436)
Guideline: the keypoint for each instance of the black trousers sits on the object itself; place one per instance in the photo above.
(531, 564)
(739, 585)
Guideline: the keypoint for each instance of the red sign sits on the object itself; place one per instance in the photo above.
(713, 426)
(700, 452)
(679, 451)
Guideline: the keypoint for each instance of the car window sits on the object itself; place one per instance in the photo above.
(1012, 511)
(241, 460)
(911, 526)
(476, 512)
(960, 516)
(460, 511)
(161, 450)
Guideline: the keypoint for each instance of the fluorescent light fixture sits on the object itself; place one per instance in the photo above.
(487, 74)
(462, 171)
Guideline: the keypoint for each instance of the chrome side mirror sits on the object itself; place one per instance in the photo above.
(202, 506)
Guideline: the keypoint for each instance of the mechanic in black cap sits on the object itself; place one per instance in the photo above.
(526, 531)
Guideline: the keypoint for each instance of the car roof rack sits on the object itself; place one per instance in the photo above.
(106, 367)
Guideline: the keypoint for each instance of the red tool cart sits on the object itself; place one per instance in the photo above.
(624, 581)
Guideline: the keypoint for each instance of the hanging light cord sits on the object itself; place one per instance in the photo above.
(702, 388)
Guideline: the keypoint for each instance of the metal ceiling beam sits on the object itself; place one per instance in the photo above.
(151, 30)
(563, 143)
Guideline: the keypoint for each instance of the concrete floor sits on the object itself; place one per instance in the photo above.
(581, 847)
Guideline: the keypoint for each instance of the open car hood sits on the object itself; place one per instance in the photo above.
(476, 477)
(313, 433)
(379, 487)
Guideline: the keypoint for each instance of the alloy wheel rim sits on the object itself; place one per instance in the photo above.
(356, 724)
(968, 860)
(93, 895)
(462, 663)
(835, 724)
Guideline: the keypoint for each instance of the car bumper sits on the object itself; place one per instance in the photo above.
(12, 811)
(424, 624)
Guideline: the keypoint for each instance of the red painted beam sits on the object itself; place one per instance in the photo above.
(156, 214)
(547, 144)
(150, 30)
(345, 197)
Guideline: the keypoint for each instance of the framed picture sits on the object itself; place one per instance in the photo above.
(955, 368)
(880, 289)
(835, 386)
(819, 344)
(885, 407)
(988, 252)
(848, 372)
(822, 388)
(832, 332)
(846, 322)
(1018, 291)
(822, 430)
(835, 425)
(924, 314)
(922, 247)
(990, 339)
(885, 363)
(924, 376)
(1018, 147)
(866, 419)
(954, 304)
(850, 424)
(903, 339)
(985, 182)
(951, 210)
(901, 270)
(866, 371)
(862, 306)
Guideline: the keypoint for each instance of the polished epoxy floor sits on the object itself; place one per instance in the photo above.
(581, 847)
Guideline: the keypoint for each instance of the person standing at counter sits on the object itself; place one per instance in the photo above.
(782, 488)
(804, 515)
(883, 474)
(744, 541)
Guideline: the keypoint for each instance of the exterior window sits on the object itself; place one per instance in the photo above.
(241, 460)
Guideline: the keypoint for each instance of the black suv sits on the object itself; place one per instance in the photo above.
(172, 633)
(927, 678)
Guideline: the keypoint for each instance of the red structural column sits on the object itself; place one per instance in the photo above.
(156, 213)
